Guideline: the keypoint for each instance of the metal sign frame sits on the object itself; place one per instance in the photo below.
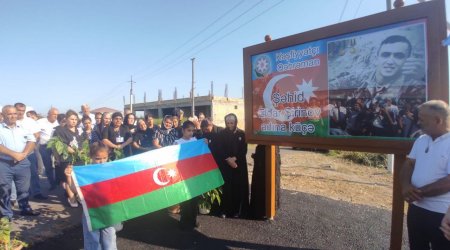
(437, 74)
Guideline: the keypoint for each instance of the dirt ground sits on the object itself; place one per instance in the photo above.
(333, 177)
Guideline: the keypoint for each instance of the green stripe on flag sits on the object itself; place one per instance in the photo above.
(108, 215)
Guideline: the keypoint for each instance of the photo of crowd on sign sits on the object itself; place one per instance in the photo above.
(377, 79)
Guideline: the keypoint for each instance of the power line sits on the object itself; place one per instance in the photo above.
(97, 100)
(232, 31)
(197, 34)
(180, 60)
(115, 89)
(204, 40)
(217, 40)
(343, 10)
(357, 9)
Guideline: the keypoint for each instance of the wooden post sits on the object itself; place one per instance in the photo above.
(398, 205)
(270, 181)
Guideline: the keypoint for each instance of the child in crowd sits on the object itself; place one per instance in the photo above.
(105, 238)
(189, 209)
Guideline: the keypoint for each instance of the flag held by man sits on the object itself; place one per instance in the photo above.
(124, 189)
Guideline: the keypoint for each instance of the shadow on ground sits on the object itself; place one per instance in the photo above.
(304, 221)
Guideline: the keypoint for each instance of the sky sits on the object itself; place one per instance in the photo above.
(66, 53)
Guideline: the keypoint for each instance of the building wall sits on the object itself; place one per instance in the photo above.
(216, 107)
(223, 106)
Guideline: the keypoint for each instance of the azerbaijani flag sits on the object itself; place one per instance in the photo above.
(124, 189)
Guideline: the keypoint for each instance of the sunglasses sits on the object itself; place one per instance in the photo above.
(397, 55)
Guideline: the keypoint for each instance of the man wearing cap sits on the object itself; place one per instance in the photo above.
(15, 145)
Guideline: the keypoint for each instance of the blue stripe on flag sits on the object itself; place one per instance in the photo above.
(446, 41)
(136, 163)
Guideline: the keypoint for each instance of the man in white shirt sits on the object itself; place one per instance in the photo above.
(15, 145)
(32, 127)
(47, 126)
(86, 111)
(425, 178)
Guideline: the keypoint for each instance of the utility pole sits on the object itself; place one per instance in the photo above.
(192, 88)
(131, 94)
(212, 88)
(226, 90)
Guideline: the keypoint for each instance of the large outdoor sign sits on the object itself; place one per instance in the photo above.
(355, 85)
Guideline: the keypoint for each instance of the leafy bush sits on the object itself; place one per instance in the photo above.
(208, 198)
(80, 155)
(5, 237)
(60, 149)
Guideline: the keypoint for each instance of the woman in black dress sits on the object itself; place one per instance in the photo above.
(233, 165)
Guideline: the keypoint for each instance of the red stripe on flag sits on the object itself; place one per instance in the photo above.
(125, 187)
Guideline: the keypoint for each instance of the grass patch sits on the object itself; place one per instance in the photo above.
(364, 158)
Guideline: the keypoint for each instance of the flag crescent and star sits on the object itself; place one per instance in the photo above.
(124, 189)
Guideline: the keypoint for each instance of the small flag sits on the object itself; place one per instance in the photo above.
(446, 41)
(124, 189)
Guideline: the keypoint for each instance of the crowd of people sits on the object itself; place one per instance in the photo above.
(382, 100)
(23, 135)
(424, 177)
(386, 118)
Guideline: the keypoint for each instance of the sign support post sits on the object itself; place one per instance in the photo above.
(270, 181)
(398, 205)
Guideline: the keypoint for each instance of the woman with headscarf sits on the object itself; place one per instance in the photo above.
(166, 134)
(142, 139)
(163, 137)
(233, 165)
(177, 125)
(129, 121)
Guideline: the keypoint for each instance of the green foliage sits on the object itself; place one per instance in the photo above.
(5, 236)
(61, 149)
(83, 154)
(118, 153)
(5, 233)
(58, 146)
(334, 153)
(368, 159)
(210, 197)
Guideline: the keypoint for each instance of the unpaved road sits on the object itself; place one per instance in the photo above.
(335, 178)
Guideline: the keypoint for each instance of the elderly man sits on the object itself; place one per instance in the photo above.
(15, 145)
(47, 126)
(86, 111)
(425, 178)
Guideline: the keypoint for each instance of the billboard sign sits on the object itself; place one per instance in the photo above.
(348, 85)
